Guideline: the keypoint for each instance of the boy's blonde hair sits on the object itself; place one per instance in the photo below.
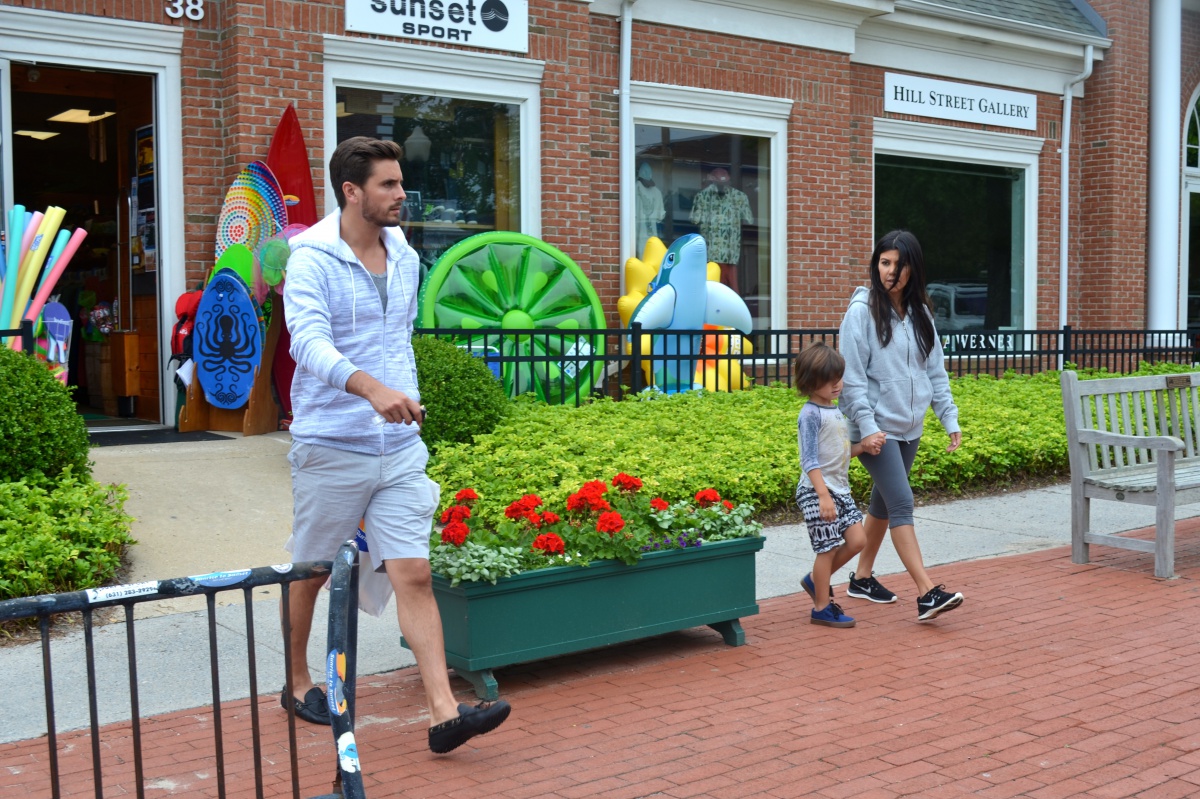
(817, 365)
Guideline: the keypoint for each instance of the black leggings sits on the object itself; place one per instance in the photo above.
(892, 496)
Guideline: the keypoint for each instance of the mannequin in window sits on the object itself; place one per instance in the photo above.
(648, 208)
(719, 211)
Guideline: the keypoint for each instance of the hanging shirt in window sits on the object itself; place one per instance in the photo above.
(719, 215)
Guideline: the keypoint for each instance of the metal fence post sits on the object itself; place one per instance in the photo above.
(635, 363)
(1066, 347)
(27, 335)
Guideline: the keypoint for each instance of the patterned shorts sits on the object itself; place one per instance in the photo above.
(827, 535)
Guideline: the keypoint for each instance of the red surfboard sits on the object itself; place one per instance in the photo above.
(288, 159)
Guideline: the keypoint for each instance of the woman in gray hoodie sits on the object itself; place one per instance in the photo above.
(894, 374)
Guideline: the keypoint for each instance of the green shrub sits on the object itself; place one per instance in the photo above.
(59, 536)
(462, 397)
(41, 433)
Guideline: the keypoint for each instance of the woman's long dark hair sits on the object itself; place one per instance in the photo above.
(914, 299)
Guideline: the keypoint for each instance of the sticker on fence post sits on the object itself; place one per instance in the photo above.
(347, 753)
(335, 678)
(112, 592)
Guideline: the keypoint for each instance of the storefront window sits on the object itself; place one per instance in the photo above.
(461, 161)
(970, 220)
(717, 185)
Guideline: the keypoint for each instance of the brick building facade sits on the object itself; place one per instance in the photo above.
(788, 96)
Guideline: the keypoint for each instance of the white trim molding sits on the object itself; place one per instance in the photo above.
(729, 112)
(820, 24)
(78, 41)
(399, 67)
(928, 39)
(945, 143)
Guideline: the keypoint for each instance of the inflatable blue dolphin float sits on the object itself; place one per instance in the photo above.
(683, 298)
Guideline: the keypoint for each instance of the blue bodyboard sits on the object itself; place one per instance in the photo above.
(228, 341)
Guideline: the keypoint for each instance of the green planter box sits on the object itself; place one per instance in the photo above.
(559, 611)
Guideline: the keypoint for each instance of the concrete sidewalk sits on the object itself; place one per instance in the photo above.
(243, 515)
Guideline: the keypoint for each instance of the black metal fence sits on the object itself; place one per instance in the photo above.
(342, 646)
(569, 366)
(25, 332)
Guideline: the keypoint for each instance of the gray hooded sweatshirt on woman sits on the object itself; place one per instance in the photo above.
(339, 326)
(890, 388)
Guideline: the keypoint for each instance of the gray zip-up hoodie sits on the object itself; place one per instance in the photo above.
(338, 327)
(890, 388)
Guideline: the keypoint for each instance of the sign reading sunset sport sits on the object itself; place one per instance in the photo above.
(496, 24)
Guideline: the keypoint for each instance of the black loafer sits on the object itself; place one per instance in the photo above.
(471, 721)
(314, 709)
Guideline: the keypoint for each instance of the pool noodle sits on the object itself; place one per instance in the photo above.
(60, 241)
(52, 276)
(32, 223)
(16, 230)
(32, 265)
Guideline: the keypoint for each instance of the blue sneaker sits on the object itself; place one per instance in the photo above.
(831, 616)
(807, 584)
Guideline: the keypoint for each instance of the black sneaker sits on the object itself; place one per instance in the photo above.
(870, 588)
(936, 601)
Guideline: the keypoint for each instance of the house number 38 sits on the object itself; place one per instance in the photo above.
(192, 9)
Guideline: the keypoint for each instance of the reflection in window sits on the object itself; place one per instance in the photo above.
(1192, 146)
(717, 185)
(970, 220)
(461, 161)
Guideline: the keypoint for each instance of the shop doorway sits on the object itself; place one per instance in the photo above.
(1191, 257)
(84, 140)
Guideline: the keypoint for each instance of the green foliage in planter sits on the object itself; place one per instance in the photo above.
(64, 535)
(41, 433)
(462, 397)
(599, 522)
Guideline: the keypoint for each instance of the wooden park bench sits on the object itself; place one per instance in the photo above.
(1132, 439)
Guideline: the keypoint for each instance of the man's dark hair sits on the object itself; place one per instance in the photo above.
(354, 159)
(817, 365)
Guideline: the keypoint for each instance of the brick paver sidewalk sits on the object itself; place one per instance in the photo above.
(1053, 680)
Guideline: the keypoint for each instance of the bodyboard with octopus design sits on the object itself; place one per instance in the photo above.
(228, 341)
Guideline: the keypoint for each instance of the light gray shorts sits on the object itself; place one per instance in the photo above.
(332, 489)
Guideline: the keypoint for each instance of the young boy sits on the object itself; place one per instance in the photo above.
(823, 494)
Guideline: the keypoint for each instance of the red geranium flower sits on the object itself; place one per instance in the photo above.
(610, 523)
(728, 505)
(594, 488)
(626, 482)
(581, 502)
(466, 495)
(549, 543)
(658, 503)
(707, 496)
(522, 507)
(455, 533)
(550, 517)
(455, 513)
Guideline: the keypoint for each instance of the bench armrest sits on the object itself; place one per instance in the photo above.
(1086, 436)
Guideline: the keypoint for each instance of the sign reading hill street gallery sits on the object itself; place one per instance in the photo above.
(495, 24)
(907, 94)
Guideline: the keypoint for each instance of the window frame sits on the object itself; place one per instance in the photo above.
(413, 69)
(726, 112)
(963, 145)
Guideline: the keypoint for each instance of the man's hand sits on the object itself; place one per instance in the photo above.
(391, 405)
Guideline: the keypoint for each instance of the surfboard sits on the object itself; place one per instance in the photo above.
(288, 160)
(228, 341)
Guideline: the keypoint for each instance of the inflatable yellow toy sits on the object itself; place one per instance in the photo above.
(718, 375)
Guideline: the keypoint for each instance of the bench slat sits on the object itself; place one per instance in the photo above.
(1144, 478)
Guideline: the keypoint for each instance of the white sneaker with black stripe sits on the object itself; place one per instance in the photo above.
(936, 601)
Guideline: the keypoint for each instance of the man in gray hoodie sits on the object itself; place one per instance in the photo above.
(357, 453)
